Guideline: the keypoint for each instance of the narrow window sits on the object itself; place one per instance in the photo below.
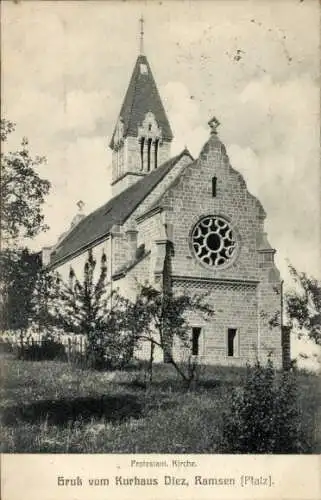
(195, 341)
(143, 69)
(117, 168)
(214, 182)
(155, 153)
(232, 342)
(149, 144)
(142, 140)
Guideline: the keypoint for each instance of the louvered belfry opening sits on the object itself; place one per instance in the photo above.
(148, 153)
(149, 145)
(149, 137)
(156, 153)
(142, 142)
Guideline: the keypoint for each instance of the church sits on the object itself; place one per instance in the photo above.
(188, 222)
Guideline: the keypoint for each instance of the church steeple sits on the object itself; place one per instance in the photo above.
(142, 135)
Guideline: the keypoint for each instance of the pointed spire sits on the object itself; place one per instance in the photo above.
(141, 40)
(142, 97)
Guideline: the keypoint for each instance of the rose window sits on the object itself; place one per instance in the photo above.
(213, 241)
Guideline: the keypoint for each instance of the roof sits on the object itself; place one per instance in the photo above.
(98, 224)
(141, 97)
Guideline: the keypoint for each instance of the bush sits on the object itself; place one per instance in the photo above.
(6, 347)
(109, 352)
(48, 349)
(263, 416)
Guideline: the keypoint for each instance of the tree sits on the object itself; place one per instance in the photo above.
(19, 269)
(303, 305)
(160, 319)
(45, 302)
(84, 308)
(23, 191)
(22, 196)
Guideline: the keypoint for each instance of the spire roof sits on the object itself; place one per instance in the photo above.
(142, 97)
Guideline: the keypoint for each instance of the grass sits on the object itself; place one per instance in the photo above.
(53, 407)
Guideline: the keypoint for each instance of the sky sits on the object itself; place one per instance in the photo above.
(254, 65)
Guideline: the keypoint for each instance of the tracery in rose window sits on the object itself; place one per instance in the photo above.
(213, 241)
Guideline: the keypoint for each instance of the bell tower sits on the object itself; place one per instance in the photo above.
(142, 136)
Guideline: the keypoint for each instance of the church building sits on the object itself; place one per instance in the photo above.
(189, 222)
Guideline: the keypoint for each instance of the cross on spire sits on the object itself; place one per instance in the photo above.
(141, 41)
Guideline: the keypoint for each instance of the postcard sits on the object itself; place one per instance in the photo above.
(160, 249)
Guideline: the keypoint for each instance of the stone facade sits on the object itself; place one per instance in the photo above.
(245, 294)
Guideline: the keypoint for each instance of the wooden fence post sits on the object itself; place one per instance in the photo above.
(69, 349)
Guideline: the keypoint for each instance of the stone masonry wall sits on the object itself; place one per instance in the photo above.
(213, 339)
(235, 306)
(269, 289)
(248, 299)
(191, 197)
(162, 186)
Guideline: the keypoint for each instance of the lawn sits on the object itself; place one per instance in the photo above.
(53, 407)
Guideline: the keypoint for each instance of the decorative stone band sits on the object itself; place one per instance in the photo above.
(188, 281)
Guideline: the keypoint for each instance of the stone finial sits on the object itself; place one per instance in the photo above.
(214, 124)
(80, 215)
(81, 206)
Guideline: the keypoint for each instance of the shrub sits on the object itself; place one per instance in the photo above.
(85, 307)
(48, 349)
(111, 350)
(263, 416)
(6, 347)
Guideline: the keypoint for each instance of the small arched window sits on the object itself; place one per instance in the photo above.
(103, 262)
(156, 154)
(142, 140)
(71, 274)
(214, 186)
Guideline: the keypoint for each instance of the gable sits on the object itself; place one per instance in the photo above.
(213, 153)
(190, 199)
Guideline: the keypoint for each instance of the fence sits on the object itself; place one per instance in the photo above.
(38, 346)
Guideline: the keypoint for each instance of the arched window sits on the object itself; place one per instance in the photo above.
(142, 141)
(214, 185)
(156, 153)
(149, 144)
